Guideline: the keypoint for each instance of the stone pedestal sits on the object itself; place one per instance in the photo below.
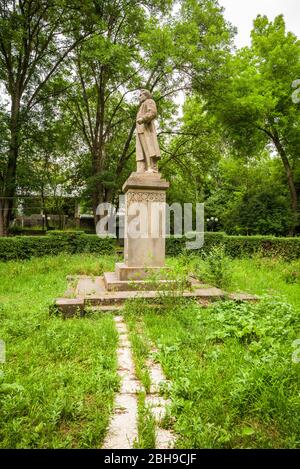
(145, 221)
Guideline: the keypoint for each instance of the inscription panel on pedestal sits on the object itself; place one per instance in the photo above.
(145, 196)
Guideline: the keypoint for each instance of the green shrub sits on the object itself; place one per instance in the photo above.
(239, 246)
(20, 247)
(268, 246)
(217, 269)
(176, 246)
(65, 232)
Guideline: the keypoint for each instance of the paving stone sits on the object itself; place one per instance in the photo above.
(243, 297)
(122, 431)
(165, 439)
(123, 426)
(70, 306)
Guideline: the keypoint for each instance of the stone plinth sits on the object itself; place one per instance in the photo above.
(126, 273)
(91, 292)
(145, 181)
(145, 219)
(112, 283)
(144, 232)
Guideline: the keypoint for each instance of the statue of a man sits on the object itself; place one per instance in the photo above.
(147, 148)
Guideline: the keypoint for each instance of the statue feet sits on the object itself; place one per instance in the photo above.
(152, 170)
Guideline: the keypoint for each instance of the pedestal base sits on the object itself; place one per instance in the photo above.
(124, 272)
(90, 292)
(145, 219)
(112, 283)
(127, 278)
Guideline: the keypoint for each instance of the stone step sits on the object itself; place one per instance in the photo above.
(130, 273)
(91, 292)
(115, 299)
(107, 308)
(113, 284)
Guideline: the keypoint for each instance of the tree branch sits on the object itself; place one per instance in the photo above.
(85, 97)
(31, 102)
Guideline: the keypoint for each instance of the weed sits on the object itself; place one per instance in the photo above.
(146, 424)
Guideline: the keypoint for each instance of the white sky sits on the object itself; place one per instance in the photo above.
(241, 14)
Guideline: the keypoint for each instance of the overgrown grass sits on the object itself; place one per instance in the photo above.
(234, 383)
(233, 380)
(273, 277)
(146, 424)
(258, 275)
(140, 346)
(59, 378)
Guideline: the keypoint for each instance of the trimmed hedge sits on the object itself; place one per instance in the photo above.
(240, 246)
(20, 247)
(176, 246)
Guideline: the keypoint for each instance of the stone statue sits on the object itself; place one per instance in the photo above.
(147, 148)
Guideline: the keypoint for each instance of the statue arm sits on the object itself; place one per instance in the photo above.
(151, 112)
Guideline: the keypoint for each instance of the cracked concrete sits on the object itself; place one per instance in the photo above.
(123, 432)
(165, 439)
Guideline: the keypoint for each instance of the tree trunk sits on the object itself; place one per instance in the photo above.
(4, 217)
(9, 189)
(77, 214)
(45, 211)
(290, 180)
(97, 199)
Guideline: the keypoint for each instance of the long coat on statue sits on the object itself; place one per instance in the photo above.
(146, 138)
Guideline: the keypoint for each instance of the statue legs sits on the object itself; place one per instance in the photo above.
(147, 164)
(154, 167)
(140, 166)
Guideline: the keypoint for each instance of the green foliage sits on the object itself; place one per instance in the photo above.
(239, 246)
(255, 104)
(242, 246)
(292, 275)
(140, 346)
(193, 154)
(263, 322)
(250, 198)
(32, 57)
(21, 247)
(58, 382)
(234, 384)
(146, 424)
(24, 247)
(176, 246)
(233, 381)
(218, 268)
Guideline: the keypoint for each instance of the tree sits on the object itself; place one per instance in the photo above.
(47, 160)
(137, 52)
(192, 156)
(250, 197)
(108, 68)
(35, 40)
(254, 102)
(93, 55)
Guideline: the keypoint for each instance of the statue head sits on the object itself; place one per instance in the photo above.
(144, 94)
